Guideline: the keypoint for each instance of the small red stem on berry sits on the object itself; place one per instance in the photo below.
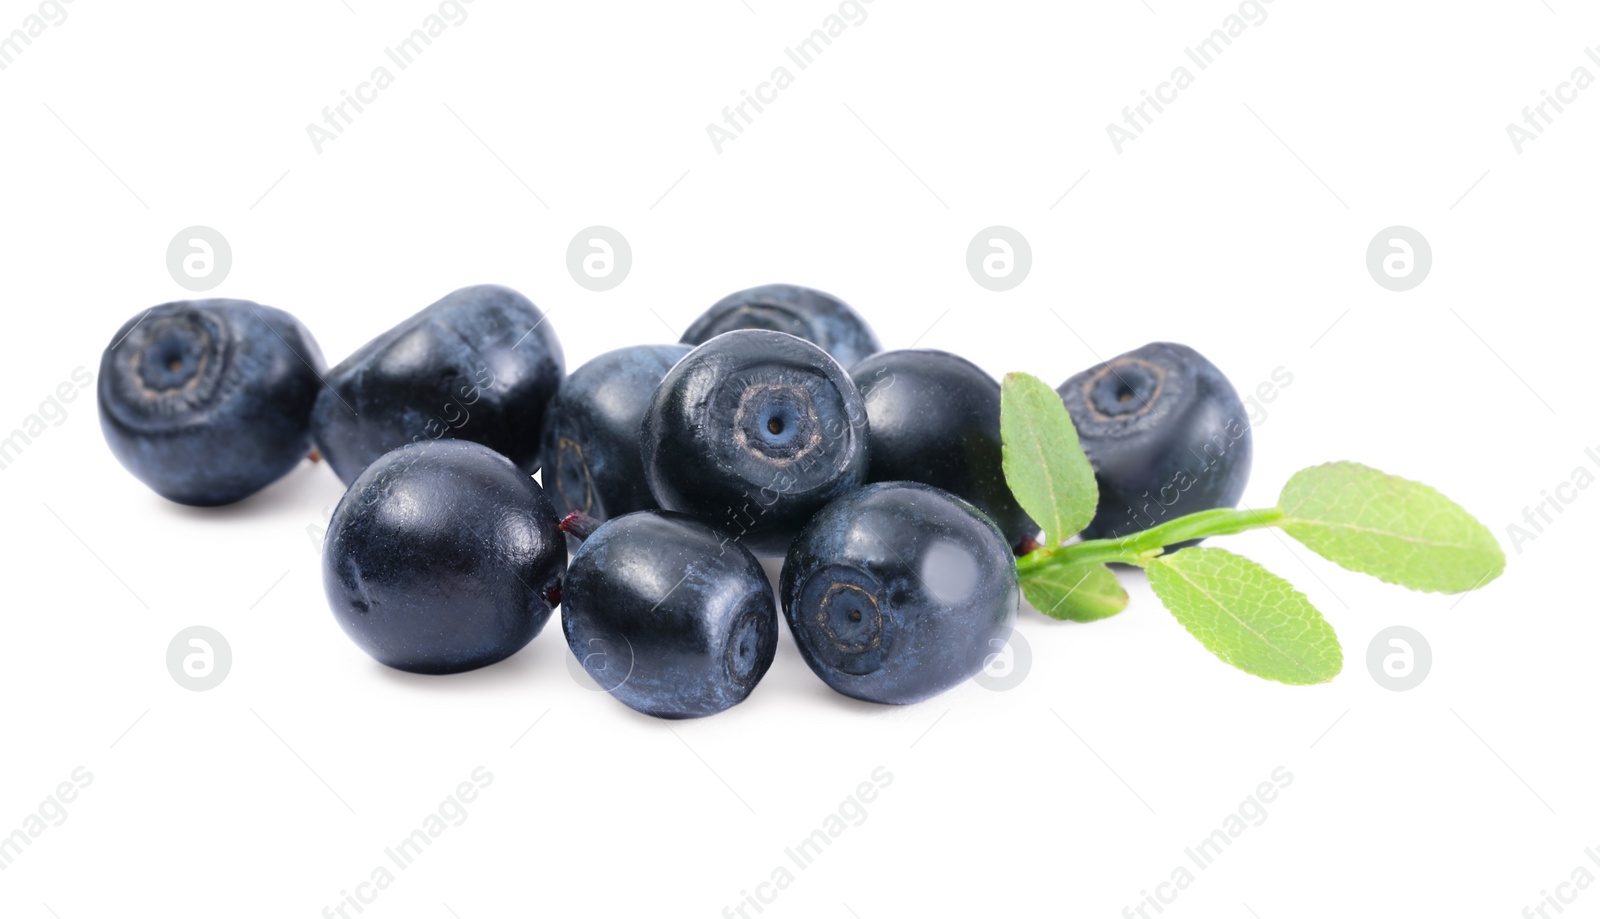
(1028, 544)
(579, 524)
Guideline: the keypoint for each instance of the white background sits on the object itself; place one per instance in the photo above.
(1238, 223)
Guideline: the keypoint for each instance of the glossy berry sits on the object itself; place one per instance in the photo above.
(591, 432)
(479, 365)
(754, 432)
(819, 318)
(669, 615)
(209, 401)
(1166, 433)
(935, 419)
(443, 557)
(899, 591)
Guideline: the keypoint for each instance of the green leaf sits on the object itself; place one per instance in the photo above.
(1399, 531)
(1044, 466)
(1080, 593)
(1246, 615)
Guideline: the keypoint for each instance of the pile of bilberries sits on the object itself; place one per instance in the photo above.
(778, 427)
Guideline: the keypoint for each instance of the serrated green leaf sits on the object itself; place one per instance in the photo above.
(1246, 615)
(1043, 463)
(1080, 593)
(1394, 529)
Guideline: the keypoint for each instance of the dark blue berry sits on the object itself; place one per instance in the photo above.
(899, 591)
(442, 557)
(209, 401)
(819, 318)
(479, 365)
(671, 617)
(1166, 433)
(935, 419)
(753, 432)
(591, 432)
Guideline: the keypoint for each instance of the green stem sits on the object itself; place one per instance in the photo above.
(1138, 548)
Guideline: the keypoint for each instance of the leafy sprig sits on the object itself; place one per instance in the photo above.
(1397, 530)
